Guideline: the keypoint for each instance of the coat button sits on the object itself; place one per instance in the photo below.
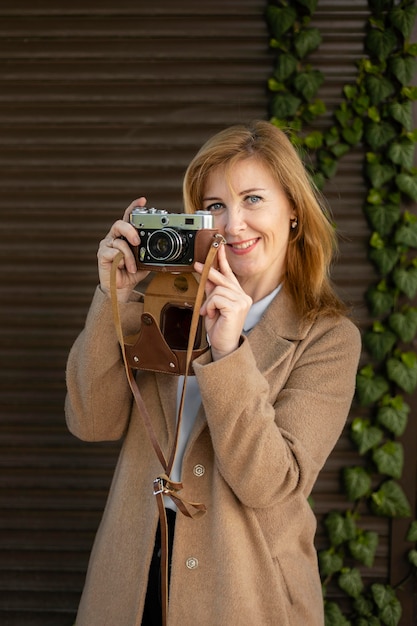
(191, 562)
(199, 470)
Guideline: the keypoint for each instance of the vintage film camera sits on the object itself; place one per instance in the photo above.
(170, 243)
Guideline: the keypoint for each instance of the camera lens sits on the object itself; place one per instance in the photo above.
(166, 245)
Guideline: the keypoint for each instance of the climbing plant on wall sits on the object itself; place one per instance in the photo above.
(375, 114)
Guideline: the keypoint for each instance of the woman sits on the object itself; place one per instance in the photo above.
(264, 410)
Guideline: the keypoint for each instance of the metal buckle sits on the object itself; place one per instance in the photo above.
(159, 486)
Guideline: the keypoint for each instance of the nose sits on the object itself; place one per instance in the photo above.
(235, 221)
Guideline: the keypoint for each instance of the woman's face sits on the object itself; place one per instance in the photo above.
(254, 215)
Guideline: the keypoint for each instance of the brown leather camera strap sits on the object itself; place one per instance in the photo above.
(163, 485)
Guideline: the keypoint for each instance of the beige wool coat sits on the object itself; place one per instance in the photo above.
(271, 413)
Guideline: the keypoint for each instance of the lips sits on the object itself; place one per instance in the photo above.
(242, 247)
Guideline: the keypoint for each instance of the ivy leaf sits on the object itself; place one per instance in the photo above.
(379, 344)
(374, 197)
(285, 105)
(307, 40)
(378, 88)
(339, 149)
(314, 140)
(350, 91)
(307, 83)
(330, 562)
(379, 174)
(406, 280)
(382, 594)
(361, 104)
(381, 299)
(407, 183)
(334, 616)
(406, 234)
(318, 180)
(374, 114)
(317, 108)
(404, 323)
(403, 19)
(286, 64)
(384, 258)
(390, 501)
(350, 581)
(357, 482)
(364, 435)
(343, 114)
(393, 414)
(403, 68)
(353, 134)
(332, 136)
(328, 165)
(389, 459)
(409, 92)
(403, 371)
(280, 20)
(402, 152)
(370, 387)
(391, 614)
(363, 606)
(412, 557)
(383, 216)
(339, 528)
(381, 42)
(402, 112)
(379, 134)
(363, 548)
(389, 607)
(274, 85)
(412, 531)
(376, 241)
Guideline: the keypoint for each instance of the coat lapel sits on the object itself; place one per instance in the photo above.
(271, 340)
(277, 333)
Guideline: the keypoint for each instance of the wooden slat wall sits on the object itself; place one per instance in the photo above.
(101, 102)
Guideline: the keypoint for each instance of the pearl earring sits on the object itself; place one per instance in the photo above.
(294, 223)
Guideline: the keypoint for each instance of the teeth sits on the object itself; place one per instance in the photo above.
(244, 245)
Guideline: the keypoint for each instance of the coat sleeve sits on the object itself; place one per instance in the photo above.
(273, 433)
(98, 401)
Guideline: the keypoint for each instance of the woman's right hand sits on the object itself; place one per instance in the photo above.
(127, 274)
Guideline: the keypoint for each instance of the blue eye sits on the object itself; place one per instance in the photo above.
(216, 206)
(253, 199)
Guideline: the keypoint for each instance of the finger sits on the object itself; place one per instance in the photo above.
(224, 265)
(139, 202)
(122, 229)
(222, 299)
(110, 246)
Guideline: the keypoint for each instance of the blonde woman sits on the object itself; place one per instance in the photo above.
(263, 409)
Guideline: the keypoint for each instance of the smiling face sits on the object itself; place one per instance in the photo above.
(254, 215)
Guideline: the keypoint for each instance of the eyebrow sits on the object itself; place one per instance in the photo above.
(241, 193)
(246, 191)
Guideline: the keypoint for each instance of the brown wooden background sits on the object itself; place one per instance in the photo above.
(102, 101)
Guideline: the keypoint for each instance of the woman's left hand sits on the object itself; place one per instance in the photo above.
(225, 307)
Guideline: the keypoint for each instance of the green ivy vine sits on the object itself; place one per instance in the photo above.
(375, 114)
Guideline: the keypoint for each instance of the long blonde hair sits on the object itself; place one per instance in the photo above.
(313, 242)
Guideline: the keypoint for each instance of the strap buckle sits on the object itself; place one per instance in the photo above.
(165, 485)
(160, 486)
